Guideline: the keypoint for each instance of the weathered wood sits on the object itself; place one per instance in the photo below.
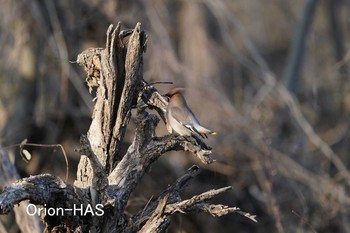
(48, 191)
(131, 88)
(9, 174)
(104, 176)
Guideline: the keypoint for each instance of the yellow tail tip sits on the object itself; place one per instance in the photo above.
(213, 133)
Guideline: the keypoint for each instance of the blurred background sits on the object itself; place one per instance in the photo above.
(271, 77)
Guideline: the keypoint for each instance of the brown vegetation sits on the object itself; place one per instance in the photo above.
(282, 137)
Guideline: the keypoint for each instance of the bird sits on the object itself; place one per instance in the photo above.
(180, 117)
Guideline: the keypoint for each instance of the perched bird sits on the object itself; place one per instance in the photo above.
(180, 118)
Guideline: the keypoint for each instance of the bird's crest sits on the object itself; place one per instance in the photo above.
(177, 90)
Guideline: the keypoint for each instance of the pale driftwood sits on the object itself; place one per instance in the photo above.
(105, 176)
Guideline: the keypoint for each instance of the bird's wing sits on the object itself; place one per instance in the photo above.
(186, 119)
(180, 115)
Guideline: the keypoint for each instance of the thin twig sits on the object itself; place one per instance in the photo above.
(45, 145)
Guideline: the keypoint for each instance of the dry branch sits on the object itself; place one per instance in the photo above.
(105, 177)
(296, 57)
(170, 195)
(9, 174)
(154, 216)
(47, 191)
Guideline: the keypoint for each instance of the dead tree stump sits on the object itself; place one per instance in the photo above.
(105, 177)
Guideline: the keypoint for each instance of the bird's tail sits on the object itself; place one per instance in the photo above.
(203, 131)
